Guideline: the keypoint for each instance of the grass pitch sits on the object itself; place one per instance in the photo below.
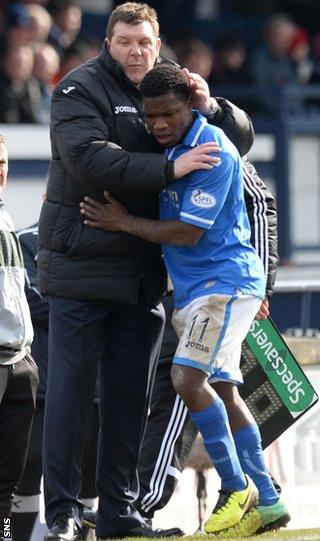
(280, 535)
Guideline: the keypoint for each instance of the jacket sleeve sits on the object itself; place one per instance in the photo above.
(38, 303)
(235, 123)
(262, 212)
(81, 139)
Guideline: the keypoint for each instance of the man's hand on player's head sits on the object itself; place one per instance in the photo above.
(108, 216)
(200, 92)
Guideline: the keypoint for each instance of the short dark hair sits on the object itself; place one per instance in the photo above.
(163, 79)
(133, 13)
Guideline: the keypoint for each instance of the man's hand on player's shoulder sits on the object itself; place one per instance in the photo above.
(199, 157)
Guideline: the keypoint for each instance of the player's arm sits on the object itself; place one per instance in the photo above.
(194, 220)
(113, 216)
(82, 139)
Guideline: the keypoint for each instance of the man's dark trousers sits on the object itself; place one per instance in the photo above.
(125, 341)
(18, 389)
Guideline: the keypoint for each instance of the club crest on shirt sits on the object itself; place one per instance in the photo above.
(202, 199)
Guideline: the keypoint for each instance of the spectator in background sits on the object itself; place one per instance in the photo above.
(17, 25)
(306, 59)
(313, 103)
(73, 57)
(40, 2)
(231, 69)
(230, 66)
(315, 54)
(45, 68)
(196, 56)
(88, 42)
(40, 22)
(272, 65)
(67, 17)
(19, 91)
(167, 52)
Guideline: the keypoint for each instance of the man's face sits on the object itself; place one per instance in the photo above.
(168, 117)
(136, 48)
(3, 167)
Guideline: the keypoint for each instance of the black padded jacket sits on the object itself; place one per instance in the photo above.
(99, 142)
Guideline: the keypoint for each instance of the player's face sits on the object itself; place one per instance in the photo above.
(168, 118)
(3, 166)
(135, 47)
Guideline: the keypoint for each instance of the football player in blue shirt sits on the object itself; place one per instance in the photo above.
(219, 285)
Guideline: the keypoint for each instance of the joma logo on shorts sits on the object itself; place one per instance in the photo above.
(124, 109)
(195, 345)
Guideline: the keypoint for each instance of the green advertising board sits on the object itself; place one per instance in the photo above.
(281, 367)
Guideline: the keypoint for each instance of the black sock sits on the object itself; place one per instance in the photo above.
(22, 525)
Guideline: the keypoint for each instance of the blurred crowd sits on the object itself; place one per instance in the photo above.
(41, 40)
(286, 55)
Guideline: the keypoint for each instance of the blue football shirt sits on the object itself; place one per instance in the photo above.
(223, 261)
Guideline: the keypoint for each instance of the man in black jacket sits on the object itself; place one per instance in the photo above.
(104, 288)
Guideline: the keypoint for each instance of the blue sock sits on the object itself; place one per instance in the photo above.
(248, 444)
(214, 427)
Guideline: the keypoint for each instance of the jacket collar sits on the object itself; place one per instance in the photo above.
(112, 65)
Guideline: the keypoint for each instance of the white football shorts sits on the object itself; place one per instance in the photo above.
(211, 330)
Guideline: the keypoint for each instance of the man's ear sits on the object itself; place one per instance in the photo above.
(107, 43)
(158, 45)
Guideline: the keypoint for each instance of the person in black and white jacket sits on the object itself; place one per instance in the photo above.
(18, 372)
(26, 503)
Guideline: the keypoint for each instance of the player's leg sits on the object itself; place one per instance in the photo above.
(17, 406)
(26, 501)
(244, 429)
(132, 339)
(271, 511)
(169, 436)
(170, 432)
(88, 493)
(75, 335)
(248, 441)
(202, 327)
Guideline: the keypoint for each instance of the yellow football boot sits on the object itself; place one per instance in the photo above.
(231, 506)
(259, 519)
